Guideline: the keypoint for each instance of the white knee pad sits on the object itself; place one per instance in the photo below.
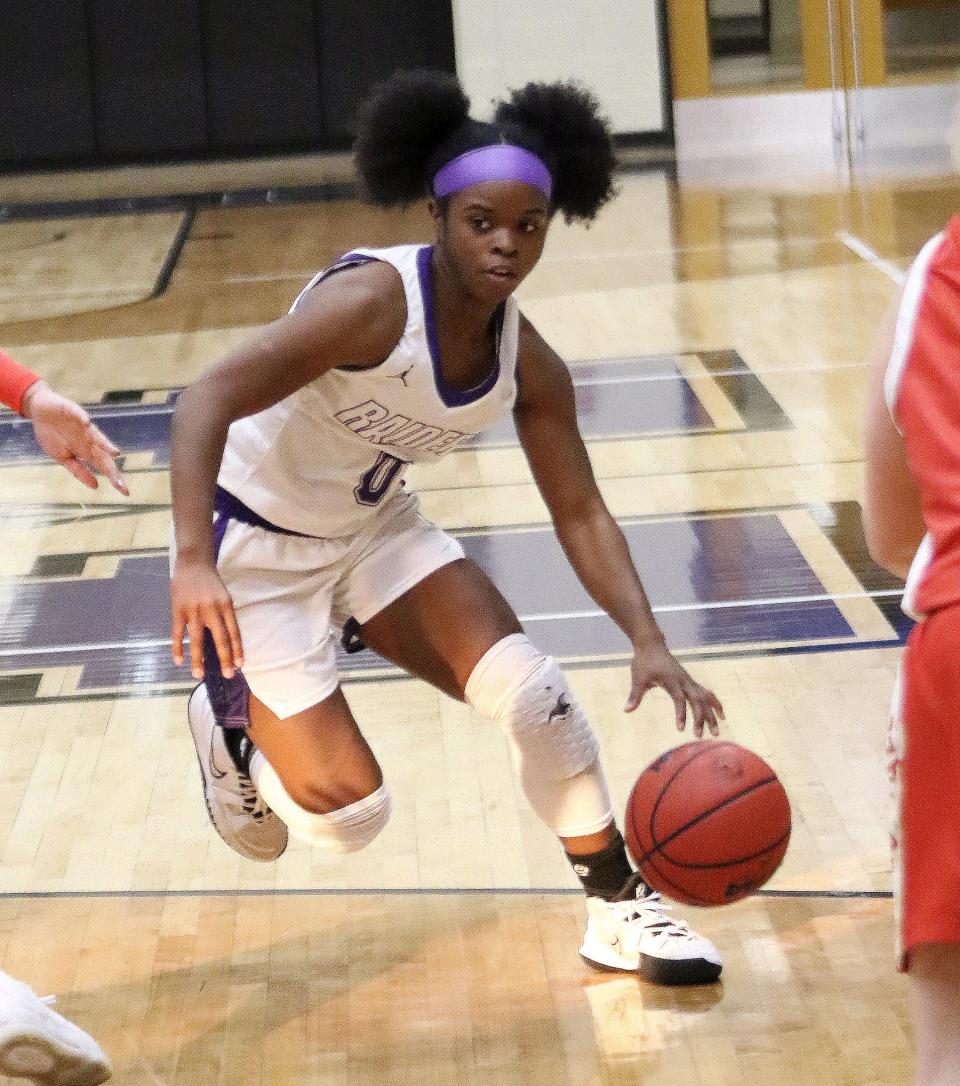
(348, 829)
(553, 746)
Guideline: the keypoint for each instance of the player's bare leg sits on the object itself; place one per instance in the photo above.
(935, 1001)
(425, 632)
(320, 755)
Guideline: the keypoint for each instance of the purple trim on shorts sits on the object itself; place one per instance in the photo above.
(230, 698)
(496, 162)
(229, 507)
(452, 397)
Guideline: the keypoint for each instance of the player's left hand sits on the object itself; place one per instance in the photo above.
(65, 433)
(654, 665)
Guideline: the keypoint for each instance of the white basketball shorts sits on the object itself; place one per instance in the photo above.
(293, 594)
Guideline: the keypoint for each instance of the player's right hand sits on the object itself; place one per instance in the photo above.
(199, 601)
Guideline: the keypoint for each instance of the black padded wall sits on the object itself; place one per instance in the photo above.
(45, 107)
(262, 84)
(91, 82)
(148, 82)
(360, 42)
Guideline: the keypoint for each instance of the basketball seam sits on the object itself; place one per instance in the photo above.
(660, 846)
(707, 749)
(680, 893)
(726, 863)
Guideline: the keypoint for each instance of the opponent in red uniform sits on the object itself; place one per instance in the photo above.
(36, 1043)
(912, 519)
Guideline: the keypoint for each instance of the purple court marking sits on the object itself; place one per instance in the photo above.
(608, 410)
(135, 428)
(620, 398)
(117, 628)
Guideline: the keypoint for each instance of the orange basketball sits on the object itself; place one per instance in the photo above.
(707, 823)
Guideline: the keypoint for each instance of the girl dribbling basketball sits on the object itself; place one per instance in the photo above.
(294, 449)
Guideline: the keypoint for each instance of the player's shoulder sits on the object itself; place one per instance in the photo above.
(931, 286)
(533, 349)
(940, 253)
(367, 295)
(542, 375)
(951, 235)
(367, 283)
(926, 325)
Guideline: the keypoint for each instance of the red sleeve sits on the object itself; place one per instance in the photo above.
(14, 382)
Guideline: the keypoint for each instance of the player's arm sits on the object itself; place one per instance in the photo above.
(62, 428)
(592, 540)
(892, 515)
(356, 317)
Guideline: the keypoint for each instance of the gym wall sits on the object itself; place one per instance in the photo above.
(96, 82)
(615, 48)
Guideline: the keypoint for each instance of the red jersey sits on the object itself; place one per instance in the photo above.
(922, 387)
(14, 382)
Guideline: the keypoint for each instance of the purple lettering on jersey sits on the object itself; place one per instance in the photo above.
(409, 433)
(449, 440)
(362, 416)
(374, 423)
(419, 440)
(384, 431)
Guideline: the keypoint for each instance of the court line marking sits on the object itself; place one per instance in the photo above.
(427, 487)
(395, 891)
(797, 240)
(719, 605)
(136, 410)
(556, 616)
(709, 375)
(128, 287)
(173, 254)
(562, 258)
(863, 250)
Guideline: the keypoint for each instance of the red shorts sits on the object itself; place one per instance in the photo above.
(924, 763)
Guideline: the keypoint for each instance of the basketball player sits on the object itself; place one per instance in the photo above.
(36, 1043)
(294, 447)
(912, 520)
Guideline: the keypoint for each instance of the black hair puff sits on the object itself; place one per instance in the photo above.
(417, 121)
(401, 125)
(576, 139)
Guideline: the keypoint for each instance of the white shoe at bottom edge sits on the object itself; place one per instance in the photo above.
(42, 1046)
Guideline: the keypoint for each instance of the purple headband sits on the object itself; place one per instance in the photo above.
(497, 162)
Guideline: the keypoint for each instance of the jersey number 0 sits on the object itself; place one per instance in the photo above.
(376, 480)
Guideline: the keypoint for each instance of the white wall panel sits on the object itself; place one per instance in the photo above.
(611, 46)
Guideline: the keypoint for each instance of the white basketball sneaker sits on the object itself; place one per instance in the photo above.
(637, 935)
(236, 810)
(38, 1044)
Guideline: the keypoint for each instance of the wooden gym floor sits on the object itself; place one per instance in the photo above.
(718, 342)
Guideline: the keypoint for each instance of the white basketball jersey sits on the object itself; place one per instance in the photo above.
(323, 460)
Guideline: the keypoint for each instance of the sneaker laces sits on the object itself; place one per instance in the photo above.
(250, 799)
(645, 908)
(251, 804)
